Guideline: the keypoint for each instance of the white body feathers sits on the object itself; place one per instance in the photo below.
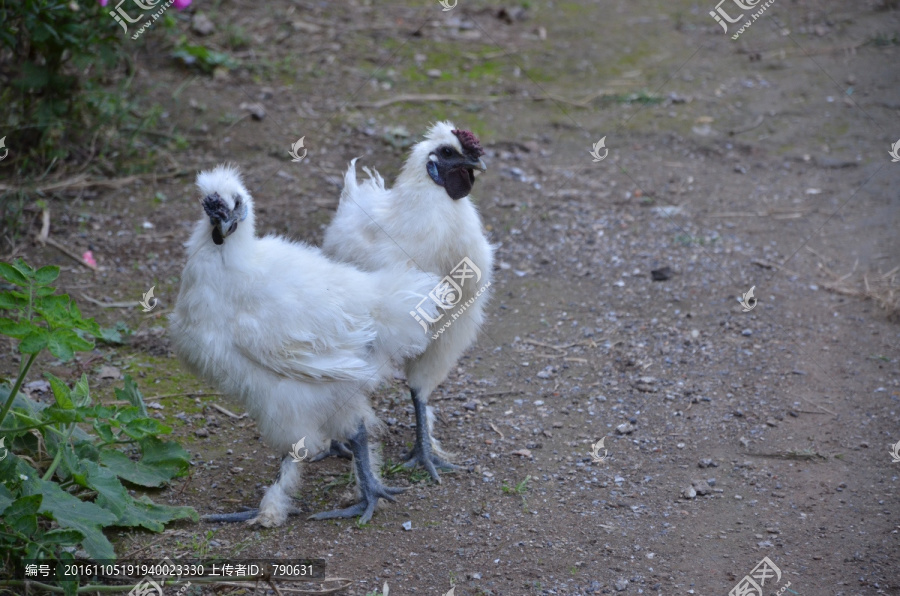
(416, 224)
(299, 339)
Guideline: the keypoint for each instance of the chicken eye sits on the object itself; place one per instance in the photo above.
(237, 201)
(446, 152)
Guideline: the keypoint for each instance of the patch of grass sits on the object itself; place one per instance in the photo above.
(199, 544)
(342, 480)
(236, 37)
(202, 57)
(691, 240)
(415, 475)
(641, 97)
(883, 39)
(519, 489)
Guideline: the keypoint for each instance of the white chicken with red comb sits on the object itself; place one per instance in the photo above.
(425, 221)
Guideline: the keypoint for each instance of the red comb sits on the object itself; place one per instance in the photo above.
(469, 142)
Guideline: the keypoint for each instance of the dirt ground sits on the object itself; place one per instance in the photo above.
(730, 436)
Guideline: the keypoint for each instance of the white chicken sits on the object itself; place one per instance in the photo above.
(299, 339)
(426, 220)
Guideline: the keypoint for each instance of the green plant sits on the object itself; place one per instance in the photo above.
(60, 485)
(202, 57)
(415, 475)
(54, 53)
(519, 489)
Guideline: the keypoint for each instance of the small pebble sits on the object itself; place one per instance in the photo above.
(407, 525)
(201, 25)
(625, 428)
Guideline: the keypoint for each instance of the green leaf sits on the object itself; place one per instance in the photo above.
(63, 344)
(70, 586)
(167, 455)
(132, 395)
(81, 393)
(13, 275)
(9, 301)
(46, 275)
(63, 537)
(35, 341)
(61, 392)
(133, 471)
(115, 334)
(105, 482)
(87, 450)
(145, 427)
(161, 461)
(22, 514)
(104, 431)
(71, 512)
(145, 513)
(17, 330)
(59, 415)
(33, 76)
(23, 268)
(6, 498)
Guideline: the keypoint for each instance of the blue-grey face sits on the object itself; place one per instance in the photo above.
(224, 219)
(453, 170)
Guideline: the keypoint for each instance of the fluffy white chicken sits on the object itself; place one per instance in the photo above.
(299, 339)
(426, 220)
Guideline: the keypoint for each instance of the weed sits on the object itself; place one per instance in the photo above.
(62, 486)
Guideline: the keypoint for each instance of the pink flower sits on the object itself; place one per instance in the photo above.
(181, 4)
(88, 257)
(103, 2)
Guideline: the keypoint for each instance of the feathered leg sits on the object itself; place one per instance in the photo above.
(370, 486)
(337, 449)
(423, 453)
(277, 503)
